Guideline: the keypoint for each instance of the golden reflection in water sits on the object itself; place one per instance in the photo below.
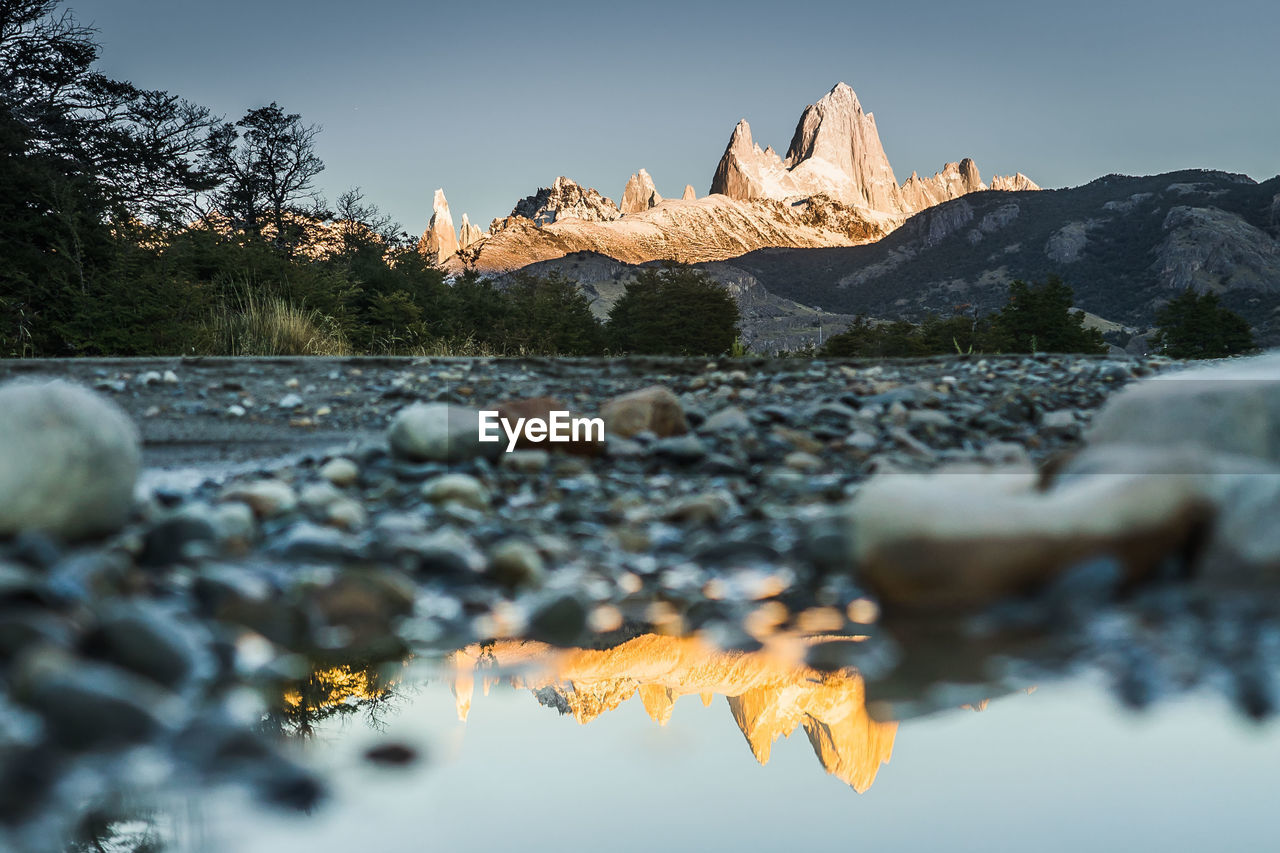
(768, 692)
(339, 689)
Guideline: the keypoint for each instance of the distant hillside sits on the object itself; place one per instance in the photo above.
(769, 322)
(1124, 244)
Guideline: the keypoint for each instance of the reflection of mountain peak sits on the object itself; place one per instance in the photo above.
(769, 695)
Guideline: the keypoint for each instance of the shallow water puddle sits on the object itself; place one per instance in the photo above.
(613, 750)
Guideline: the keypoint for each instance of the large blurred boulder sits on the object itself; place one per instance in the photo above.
(961, 540)
(1243, 543)
(69, 460)
(1231, 407)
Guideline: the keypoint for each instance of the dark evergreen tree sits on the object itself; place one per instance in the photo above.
(550, 314)
(673, 309)
(1197, 326)
(1039, 318)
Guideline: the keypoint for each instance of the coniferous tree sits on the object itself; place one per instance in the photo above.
(673, 309)
(1197, 326)
(551, 315)
(1039, 318)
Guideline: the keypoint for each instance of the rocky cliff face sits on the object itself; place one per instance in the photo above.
(707, 229)
(440, 240)
(835, 132)
(955, 180)
(836, 151)
(468, 234)
(640, 194)
(1210, 249)
(1013, 183)
(565, 199)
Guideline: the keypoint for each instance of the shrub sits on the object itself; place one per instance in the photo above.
(1036, 318)
(252, 325)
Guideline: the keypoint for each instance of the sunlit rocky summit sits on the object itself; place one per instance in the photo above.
(835, 187)
(836, 151)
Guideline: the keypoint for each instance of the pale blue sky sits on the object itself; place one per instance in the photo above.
(491, 100)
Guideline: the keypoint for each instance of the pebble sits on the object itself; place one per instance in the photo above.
(516, 564)
(459, 488)
(685, 449)
(150, 640)
(316, 497)
(862, 440)
(729, 420)
(346, 514)
(655, 409)
(233, 522)
(699, 509)
(307, 542)
(526, 461)
(807, 463)
(267, 498)
(1061, 422)
(88, 706)
(341, 472)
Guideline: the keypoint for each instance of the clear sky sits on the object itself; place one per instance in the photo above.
(491, 100)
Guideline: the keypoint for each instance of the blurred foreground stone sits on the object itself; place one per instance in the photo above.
(69, 460)
(1176, 478)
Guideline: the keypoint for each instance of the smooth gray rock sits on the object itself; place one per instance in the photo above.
(685, 449)
(730, 420)
(440, 432)
(516, 564)
(69, 460)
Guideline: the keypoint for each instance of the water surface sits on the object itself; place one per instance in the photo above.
(546, 762)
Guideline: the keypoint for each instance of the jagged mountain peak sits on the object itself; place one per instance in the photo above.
(440, 240)
(566, 199)
(640, 194)
(836, 151)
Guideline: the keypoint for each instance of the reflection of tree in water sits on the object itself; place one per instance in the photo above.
(332, 689)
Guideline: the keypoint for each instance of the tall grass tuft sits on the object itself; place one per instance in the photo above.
(248, 324)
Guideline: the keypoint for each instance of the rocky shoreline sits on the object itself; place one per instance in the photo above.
(310, 522)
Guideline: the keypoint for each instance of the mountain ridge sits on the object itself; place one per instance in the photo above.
(1126, 244)
(836, 188)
